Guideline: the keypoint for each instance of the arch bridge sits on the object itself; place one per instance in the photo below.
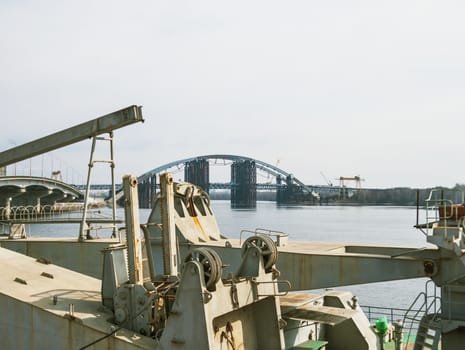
(243, 181)
(35, 191)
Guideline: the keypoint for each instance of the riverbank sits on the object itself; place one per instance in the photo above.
(401, 196)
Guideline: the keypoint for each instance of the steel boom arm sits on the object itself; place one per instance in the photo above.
(314, 265)
(320, 270)
(101, 125)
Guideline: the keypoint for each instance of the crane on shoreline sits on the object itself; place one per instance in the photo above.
(358, 181)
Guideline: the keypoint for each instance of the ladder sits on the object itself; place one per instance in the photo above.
(429, 333)
(424, 317)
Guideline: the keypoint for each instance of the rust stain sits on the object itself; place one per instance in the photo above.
(199, 225)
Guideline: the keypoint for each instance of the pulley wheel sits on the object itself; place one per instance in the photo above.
(211, 263)
(267, 247)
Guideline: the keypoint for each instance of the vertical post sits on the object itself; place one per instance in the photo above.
(86, 196)
(8, 208)
(153, 190)
(398, 326)
(381, 341)
(37, 206)
(131, 213)
(168, 225)
(418, 206)
(113, 191)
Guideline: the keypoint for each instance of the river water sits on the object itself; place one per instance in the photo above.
(379, 225)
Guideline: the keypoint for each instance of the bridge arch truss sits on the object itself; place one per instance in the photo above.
(243, 182)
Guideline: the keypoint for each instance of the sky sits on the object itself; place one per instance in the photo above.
(344, 88)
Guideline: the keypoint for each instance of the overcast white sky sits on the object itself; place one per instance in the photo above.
(369, 88)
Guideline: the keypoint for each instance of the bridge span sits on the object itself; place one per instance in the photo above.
(243, 180)
(35, 191)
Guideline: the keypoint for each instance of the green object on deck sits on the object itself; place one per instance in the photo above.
(382, 325)
(310, 345)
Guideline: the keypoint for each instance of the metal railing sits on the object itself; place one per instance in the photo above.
(35, 213)
(47, 214)
(392, 314)
(425, 304)
(280, 238)
(435, 202)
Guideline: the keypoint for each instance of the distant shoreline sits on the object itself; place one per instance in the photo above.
(398, 196)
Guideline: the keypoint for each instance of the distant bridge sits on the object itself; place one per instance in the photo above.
(243, 183)
(98, 187)
(216, 186)
(35, 191)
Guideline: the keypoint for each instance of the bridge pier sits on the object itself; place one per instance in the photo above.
(292, 193)
(146, 191)
(243, 184)
(280, 190)
(197, 172)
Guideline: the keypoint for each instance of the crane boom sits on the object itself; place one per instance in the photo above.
(101, 125)
(326, 179)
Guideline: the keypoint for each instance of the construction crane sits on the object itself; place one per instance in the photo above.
(358, 181)
(326, 179)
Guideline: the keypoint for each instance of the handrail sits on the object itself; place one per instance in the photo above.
(244, 231)
(391, 313)
(450, 211)
(263, 231)
(423, 310)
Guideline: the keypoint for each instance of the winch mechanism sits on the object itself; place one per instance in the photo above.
(197, 306)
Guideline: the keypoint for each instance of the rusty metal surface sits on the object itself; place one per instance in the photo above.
(322, 314)
(293, 300)
(133, 234)
(168, 229)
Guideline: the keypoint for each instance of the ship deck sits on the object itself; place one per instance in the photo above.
(58, 300)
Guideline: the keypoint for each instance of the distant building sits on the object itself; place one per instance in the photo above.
(3, 171)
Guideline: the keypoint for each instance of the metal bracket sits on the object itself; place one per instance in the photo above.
(279, 294)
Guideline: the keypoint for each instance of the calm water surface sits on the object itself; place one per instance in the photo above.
(378, 225)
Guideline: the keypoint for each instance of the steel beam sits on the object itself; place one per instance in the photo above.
(312, 265)
(313, 271)
(169, 240)
(133, 234)
(105, 124)
(304, 270)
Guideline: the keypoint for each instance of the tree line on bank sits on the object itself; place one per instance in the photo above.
(389, 196)
(406, 195)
